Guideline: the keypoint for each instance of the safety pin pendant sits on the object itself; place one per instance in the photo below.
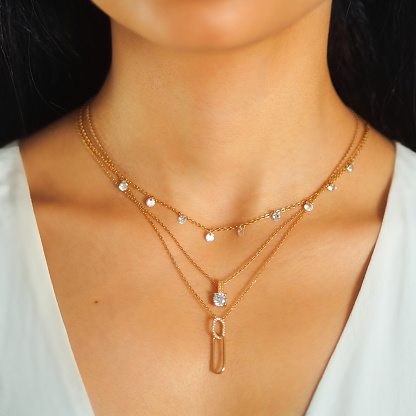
(221, 338)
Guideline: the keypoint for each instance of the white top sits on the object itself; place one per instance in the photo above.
(372, 371)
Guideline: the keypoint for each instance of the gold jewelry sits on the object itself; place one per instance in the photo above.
(219, 298)
(307, 207)
(151, 200)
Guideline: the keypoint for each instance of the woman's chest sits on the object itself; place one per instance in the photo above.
(142, 341)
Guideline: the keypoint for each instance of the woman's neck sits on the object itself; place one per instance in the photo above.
(250, 121)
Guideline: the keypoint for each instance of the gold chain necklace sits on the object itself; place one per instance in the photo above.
(307, 207)
(219, 298)
(152, 200)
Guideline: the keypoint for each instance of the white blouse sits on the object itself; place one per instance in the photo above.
(372, 371)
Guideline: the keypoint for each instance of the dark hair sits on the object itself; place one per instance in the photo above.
(56, 54)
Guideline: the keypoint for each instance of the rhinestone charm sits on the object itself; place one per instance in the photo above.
(220, 299)
(276, 215)
(182, 219)
(332, 187)
(209, 237)
(214, 332)
(150, 202)
(350, 168)
(308, 206)
(240, 231)
(123, 186)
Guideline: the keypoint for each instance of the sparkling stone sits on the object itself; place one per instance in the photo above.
(150, 202)
(332, 187)
(182, 219)
(240, 231)
(209, 237)
(308, 207)
(220, 299)
(123, 186)
(276, 215)
(350, 168)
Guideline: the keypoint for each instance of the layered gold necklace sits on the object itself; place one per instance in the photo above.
(219, 299)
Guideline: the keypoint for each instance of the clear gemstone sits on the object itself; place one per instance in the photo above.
(123, 186)
(350, 168)
(276, 215)
(220, 299)
(209, 237)
(332, 187)
(182, 219)
(240, 231)
(308, 206)
(150, 202)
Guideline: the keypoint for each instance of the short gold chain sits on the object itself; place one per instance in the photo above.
(215, 280)
(107, 160)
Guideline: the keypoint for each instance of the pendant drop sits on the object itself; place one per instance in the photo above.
(150, 202)
(276, 215)
(220, 298)
(209, 237)
(350, 168)
(182, 219)
(308, 206)
(240, 231)
(123, 186)
(332, 187)
(218, 364)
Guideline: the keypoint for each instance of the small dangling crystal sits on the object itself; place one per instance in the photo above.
(220, 299)
(332, 187)
(308, 206)
(150, 202)
(276, 215)
(350, 168)
(240, 231)
(182, 219)
(209, 237)
(123, 186)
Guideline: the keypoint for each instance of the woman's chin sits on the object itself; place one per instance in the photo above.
(213, 25)
(194, 36)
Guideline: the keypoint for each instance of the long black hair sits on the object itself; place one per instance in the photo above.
(55, 55)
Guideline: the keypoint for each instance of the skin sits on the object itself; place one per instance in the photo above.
(225, 110)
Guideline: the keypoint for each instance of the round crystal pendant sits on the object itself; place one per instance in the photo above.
(308, 206)
(182, 219)
(123, 186)
(240, 231)
(350, 168)
(332, 187)
(276, 215)
(220, 299)
(209, 237)
(150, 202)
